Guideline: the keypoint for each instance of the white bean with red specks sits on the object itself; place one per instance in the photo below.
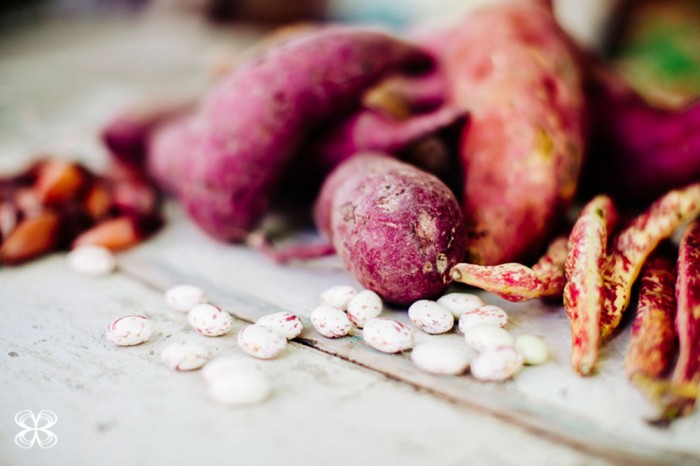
(459, 303)
(487, 314)
(364, 306)
(441, 358)
(483, 336)
(532, 348)
(497, 364)
(330, 322)
(184, 297)
(209, 320)
(130, 330)
(388, 335)
(261, 342)
(286, 323)
(431, 317)
(91, 260)
(241, 386)
(185, 355)
(338, 296)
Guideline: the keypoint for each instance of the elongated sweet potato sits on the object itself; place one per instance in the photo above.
(517, 282)
(512, 68)
(398, 229)
(584, 290)
(631, 247)
(249, 126)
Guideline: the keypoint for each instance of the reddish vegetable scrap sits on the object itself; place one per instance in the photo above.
(57, 204)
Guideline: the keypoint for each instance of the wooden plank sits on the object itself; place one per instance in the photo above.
(603, 414)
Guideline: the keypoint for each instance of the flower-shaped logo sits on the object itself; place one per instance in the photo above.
(36, 429)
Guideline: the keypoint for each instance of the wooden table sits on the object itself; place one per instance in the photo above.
(334, 402)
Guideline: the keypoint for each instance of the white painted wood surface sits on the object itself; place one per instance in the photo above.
(335, 401)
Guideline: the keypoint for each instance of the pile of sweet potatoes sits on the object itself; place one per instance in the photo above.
(521, 113)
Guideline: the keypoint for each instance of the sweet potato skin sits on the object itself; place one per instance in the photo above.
(398, 229)
(522, 153)
(249, 126)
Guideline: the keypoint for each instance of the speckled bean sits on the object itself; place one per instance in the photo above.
(330, 321)
(459, 303)
(338, 296)
(487, 314)
(364, 306)
(184, 297)
(388, 335)
(261, 342)
(185, 355)
(497, 364)
(431, 317)
(223, 365)
(240, 387)
(482, 336)
(130, 330)
(441, 358)
(286, 323)
(209, 320)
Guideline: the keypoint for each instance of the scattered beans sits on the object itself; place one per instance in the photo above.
(130, 330)
(240, 386)
(487, 314)
(440, 358)
(459, 303)
(388, 335)
(338, 296)
(533, 349)
(209, 320)
(431, 317)
(261, 342)
(185, 355)
(285, 323)
(497, 363)
(92, 260)
(483, 336)
(184, 297)
(364, 306)
(330, 322)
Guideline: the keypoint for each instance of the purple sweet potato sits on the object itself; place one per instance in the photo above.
(512, 67)
(639, 151)
(398, 229)
(247, 128)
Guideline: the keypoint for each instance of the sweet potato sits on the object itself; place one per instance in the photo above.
(513, 69)
(516, 282)
(584, 290)
(398, 229)
(248, 127)
(639, 151)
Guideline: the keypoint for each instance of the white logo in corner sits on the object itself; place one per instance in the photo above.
(36, 429)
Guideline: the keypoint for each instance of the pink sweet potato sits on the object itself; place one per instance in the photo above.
(398, 229)
(247, 129)
(513, 69)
